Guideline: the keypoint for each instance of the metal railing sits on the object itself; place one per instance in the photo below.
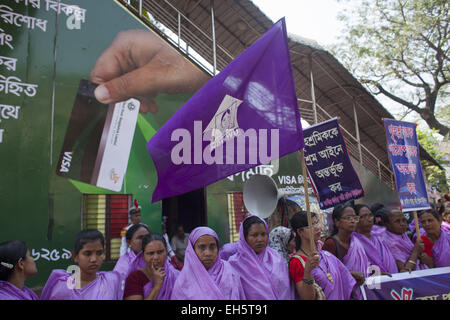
(170, 21)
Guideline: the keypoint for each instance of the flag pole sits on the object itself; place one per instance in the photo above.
(308, 211)
(416, 221)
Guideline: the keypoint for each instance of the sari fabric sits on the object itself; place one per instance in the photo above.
(8, 291)
(377, 252)
(401, 247)
(343, 282)
(220, 282)
(441, 250)
(265, 276)
(227, 250)
(60, 286)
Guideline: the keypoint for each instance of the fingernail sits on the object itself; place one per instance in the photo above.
(102, 94)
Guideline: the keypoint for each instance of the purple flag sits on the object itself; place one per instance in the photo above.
(403, 150)
(245, 116)
(330, 169)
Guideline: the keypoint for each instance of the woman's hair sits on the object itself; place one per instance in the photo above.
(382, 216)
(85, 236)
(132, 230)
(358, 207)
(376, 206)
(249, 222)
(153, 237)
(299, 220)
(10, 253)
(337, 214)
(433, 212)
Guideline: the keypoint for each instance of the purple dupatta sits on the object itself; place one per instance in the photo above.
(401, 247)
(343, 282)
(10, 292)
(107, 286)
(377, 251)
(441, 250)
(227, 250)
(220, 282)
(264, 276)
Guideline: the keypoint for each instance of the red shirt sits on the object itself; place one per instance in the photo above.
(428, 245)
(296, 270)
(134, 285)
(330, 246)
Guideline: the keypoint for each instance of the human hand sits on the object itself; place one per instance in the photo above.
(419, 247)
(312, 262)
(139, 64)
(359, 277)
(158, 275)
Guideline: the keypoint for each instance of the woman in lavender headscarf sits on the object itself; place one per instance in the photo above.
(16, 265)
(436, 239)
(205, 276)
(155, 281)
(264, 273)
(133, 259)
(408, 256)
(88, 283)
(372, 240)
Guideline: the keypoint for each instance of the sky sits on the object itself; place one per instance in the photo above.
(313, 19)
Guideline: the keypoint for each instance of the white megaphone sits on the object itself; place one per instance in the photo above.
(261, 195)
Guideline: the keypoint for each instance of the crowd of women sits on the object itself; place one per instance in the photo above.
(262, 265)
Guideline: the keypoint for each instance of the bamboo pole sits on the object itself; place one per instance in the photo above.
(416, 221)
(308, 211)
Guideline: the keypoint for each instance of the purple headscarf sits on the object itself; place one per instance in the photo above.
(107, 286)
(445, 226)
(128, 263)
(220, 282)
(343, 282)
(441, 250)
(401, 248)
(227, 250)
(264, 276)
(10, 292)
(377, 251)
(168, 283)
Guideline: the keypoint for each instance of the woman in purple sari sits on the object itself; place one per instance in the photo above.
(16, 265)
(205, 276)
(133, 259)
(263, 271)
(227, 250)
(155, 281)
(328, 271)
(372, 240)
(87, 283)
(408, 256)
(437, 236)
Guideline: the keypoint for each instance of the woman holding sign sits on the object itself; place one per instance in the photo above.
(436, 240)
(325, 269)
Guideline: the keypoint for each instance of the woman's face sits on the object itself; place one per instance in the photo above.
(397, 223)
(304, 233)
(155, 254)
(348, 220)
(430, 223)
(136, 241)
(90, 257)
(29, 266)
(207, 251)
(257, 237)
(366, 220)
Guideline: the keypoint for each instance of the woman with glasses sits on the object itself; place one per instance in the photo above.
(346, 247)
(377, 251)
(321, 267)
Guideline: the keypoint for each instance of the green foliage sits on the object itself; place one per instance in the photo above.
(434, 175)
(401, 49)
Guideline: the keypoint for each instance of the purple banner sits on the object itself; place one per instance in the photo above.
(430, 284)
(330, 169)
(403, 151)
(245, 116)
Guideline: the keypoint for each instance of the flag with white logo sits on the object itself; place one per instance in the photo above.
(245, 116)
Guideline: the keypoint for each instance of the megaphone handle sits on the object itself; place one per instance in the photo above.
(308, 210)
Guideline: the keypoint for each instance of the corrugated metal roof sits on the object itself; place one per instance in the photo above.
(239, 23)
